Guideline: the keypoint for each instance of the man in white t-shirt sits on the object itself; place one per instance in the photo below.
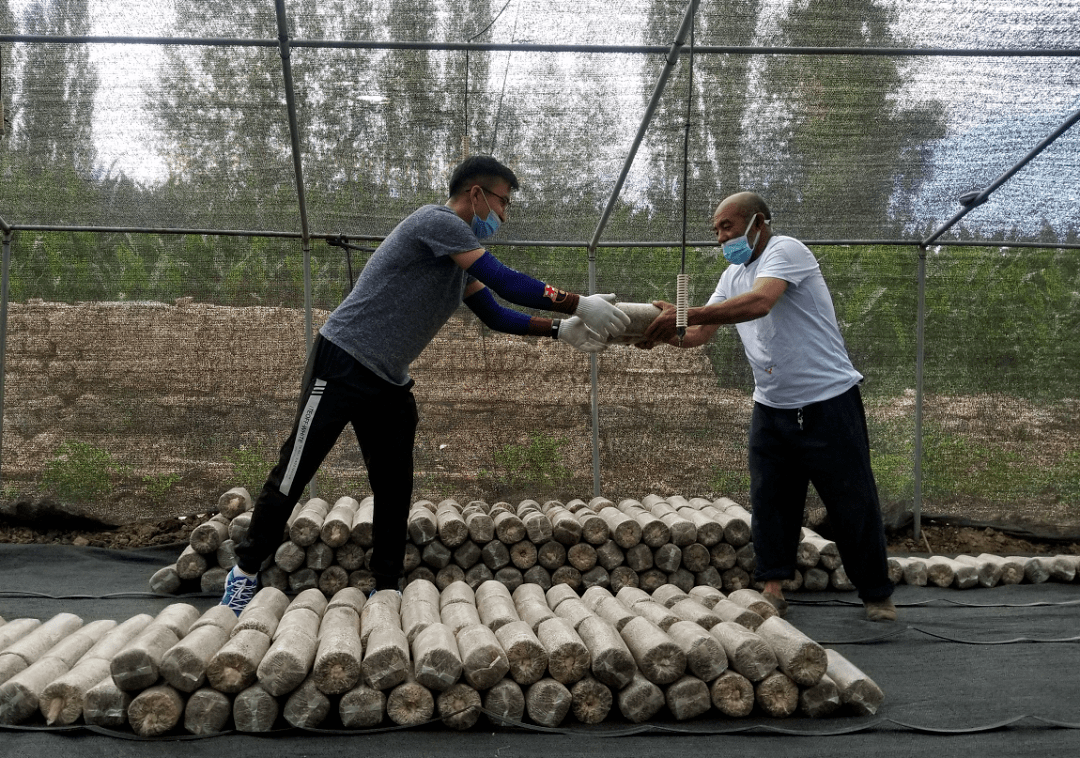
(808, 422)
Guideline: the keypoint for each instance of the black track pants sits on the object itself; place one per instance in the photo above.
(338, 390)
(825, 443)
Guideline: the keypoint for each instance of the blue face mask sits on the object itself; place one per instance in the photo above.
(484, 228)
(739, 250)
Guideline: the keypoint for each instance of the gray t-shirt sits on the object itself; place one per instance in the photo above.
(406, 292)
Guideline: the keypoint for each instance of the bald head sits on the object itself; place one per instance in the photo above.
(743, 213)
(745, 204)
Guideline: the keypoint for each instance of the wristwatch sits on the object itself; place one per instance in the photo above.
(555, 322)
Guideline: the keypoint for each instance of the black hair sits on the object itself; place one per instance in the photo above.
(477, 166)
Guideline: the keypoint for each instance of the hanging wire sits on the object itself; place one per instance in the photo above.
(502, 92)
(3, 119)
(686, 143)
(465, 116)
(465, 137)
(682, 280)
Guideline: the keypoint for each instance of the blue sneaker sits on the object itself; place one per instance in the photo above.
(239, 589)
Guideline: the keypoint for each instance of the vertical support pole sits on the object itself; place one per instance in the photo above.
(5, 272)
(298, 170)
(594, 387)
(920, 353)
(309, 337)
(968, 201)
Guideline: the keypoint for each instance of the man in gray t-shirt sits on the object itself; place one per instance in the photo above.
(808, 423)
(406, 292)
(358, 370)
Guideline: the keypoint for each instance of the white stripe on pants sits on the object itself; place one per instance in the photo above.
(302, 430)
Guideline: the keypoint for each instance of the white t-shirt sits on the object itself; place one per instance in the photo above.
(796, 351)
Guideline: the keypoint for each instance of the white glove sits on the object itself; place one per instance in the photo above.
(576, 334)
(600, 314)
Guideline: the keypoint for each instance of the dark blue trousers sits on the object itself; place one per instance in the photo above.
(825, 443)
(338, 390)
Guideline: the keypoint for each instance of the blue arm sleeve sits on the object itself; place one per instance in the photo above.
(512, 285)
(501, 319)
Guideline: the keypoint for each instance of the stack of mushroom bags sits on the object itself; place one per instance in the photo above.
(527, 656)
(644, 544)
